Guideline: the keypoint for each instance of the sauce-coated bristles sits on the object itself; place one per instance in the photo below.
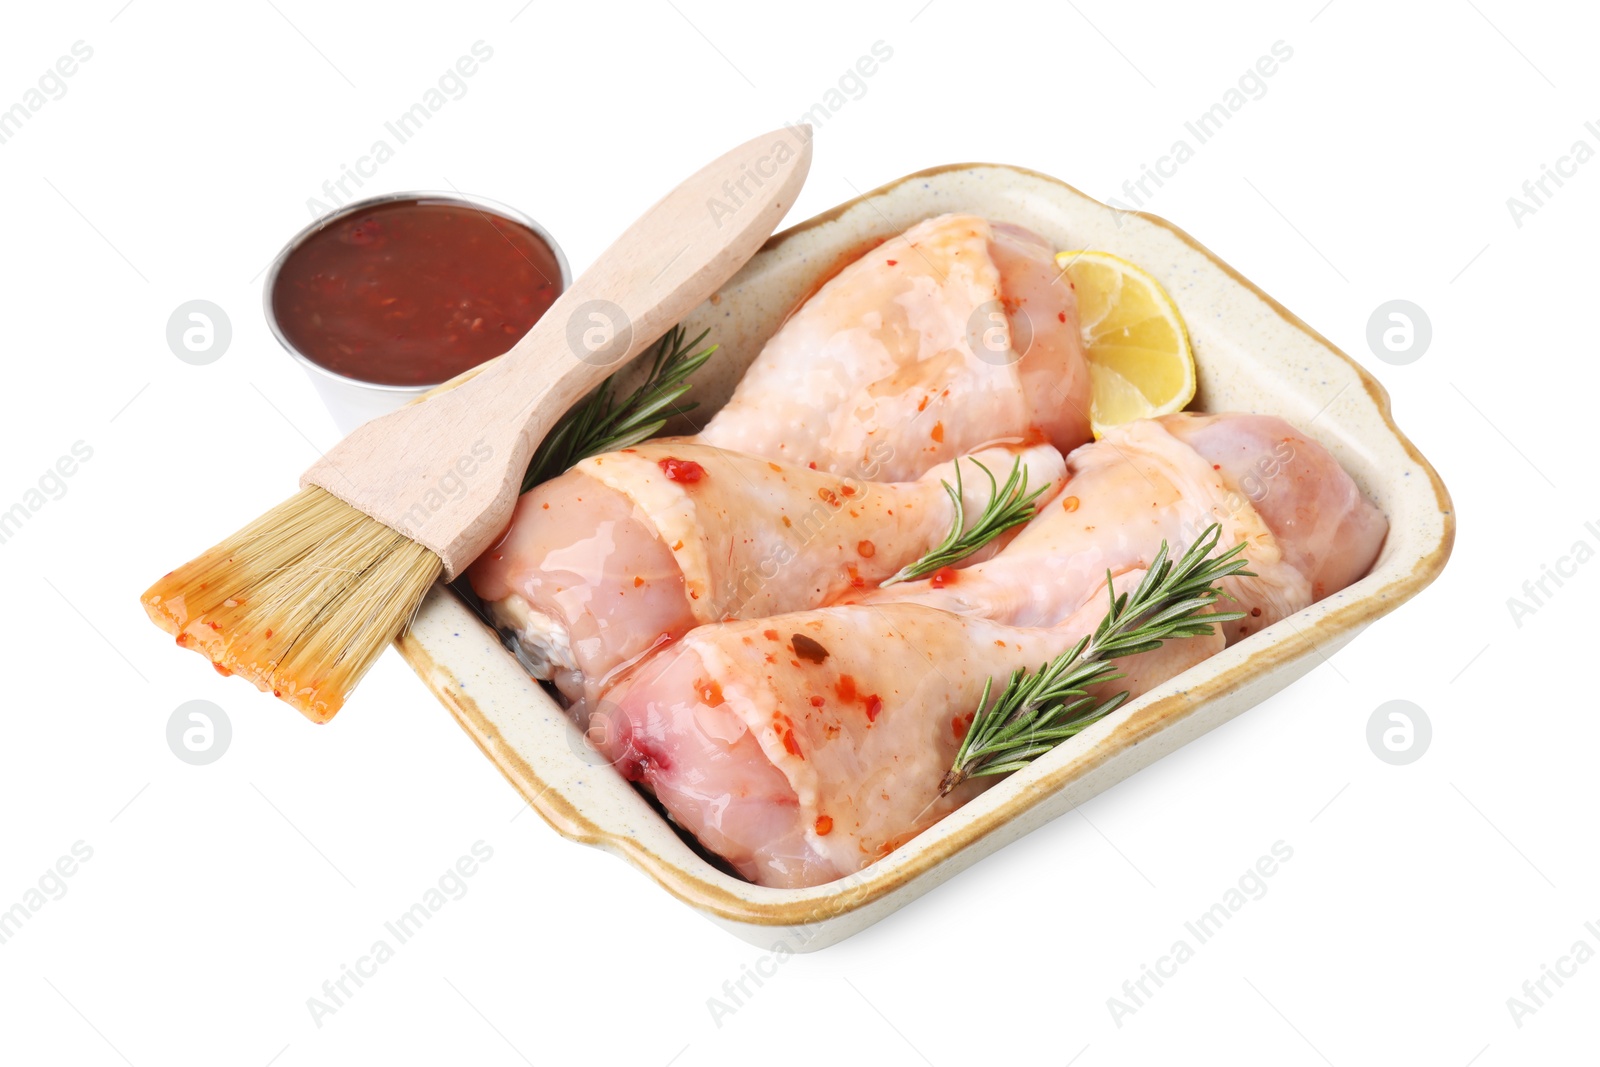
(301, 601)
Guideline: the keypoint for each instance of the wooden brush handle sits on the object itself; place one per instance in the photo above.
(446, 472)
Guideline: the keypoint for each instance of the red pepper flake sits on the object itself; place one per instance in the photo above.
(891, 844)
(637, 581)
(775, 467)
(630, 450)
(215, 626)
(960, 723)
(866, 549)
(999, 643)
(268, 635)
(1061, 315)
(892, 262)
(686, 471)
(944, 576)
(1255, 613)
(1070, 504)
(847, 490)
(547, 506)
(790, 745)
(770, 635)
(938, 432)
(677, 545)
(817, 702)
(825, 822)
(786, 521)
(922, 405)
(710, 692)
(807, 649)
(845, 687)
(812, 464)
(874, 707)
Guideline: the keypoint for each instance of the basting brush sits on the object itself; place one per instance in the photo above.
(304, 599)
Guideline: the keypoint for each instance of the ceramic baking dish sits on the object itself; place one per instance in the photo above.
(1252, 354)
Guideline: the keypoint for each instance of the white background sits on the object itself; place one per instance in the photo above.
(219, 898)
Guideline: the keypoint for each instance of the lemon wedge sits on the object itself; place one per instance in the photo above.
(1140, 363)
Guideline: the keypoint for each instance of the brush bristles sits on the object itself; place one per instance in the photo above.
(301, 601)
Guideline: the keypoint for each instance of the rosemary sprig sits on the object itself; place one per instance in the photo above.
(604, 422)
(1037, 711)
(1009, 506)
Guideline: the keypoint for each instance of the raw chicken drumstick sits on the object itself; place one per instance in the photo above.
(631, 549)
(1309, 530)
(802, 748)
(957, 333)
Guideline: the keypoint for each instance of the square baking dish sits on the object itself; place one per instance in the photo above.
(1252, 355)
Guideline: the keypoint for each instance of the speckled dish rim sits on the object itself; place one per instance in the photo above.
(1238, 678)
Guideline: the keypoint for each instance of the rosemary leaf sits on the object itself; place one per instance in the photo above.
(1037, 711)
(1009, 506)
(603, 423)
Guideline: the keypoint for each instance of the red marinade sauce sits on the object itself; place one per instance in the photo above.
(681, 470)
(413, 292)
